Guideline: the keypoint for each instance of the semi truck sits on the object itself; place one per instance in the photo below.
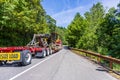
(41, 45)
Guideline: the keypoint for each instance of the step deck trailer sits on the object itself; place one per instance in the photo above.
(40, 46)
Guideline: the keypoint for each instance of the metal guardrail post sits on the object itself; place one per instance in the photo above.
(86, 54)
(111, 64)
(98, 59)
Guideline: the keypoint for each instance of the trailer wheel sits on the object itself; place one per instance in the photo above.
(26, 58)
(1, 63)
(48, 52)
(44, 54)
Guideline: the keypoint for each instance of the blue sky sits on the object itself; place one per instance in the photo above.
(63, 11)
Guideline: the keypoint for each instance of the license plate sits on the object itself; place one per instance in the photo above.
(10, 56)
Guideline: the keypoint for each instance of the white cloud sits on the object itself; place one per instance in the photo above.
(65, 17)
(68, 11)
(110, 3)
(66, 4)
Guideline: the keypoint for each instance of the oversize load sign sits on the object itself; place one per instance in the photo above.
(10, 56)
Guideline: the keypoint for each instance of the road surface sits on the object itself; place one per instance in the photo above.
(63, 65)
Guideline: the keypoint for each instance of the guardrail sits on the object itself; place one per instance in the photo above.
(99, 57)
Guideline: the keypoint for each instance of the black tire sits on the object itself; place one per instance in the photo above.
(1, 63)
(44, 54)
(50, 50)
(5, 62)
(26, 58)
(47, 52)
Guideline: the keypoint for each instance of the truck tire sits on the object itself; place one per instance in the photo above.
(1, 63)
(47, 52)
(26, 58)
(50, 51)
(44, 54)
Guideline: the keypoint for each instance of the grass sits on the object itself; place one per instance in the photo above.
(116, 67)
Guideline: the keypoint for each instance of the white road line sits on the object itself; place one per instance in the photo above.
(31, 67)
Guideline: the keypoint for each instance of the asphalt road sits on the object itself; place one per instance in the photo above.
(63, 65)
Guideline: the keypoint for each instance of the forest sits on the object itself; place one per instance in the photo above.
(98, 30)
(21, 19)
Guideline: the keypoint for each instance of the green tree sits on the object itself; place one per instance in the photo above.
(20, 19)
(94, 18)
(76, 30)
(109, 34)
(51, 23)
(62, 33)
(98, 31)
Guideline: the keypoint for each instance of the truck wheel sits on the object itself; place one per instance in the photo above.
(1, 63)
(26, 58)
(48, 52)
(44, 54)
